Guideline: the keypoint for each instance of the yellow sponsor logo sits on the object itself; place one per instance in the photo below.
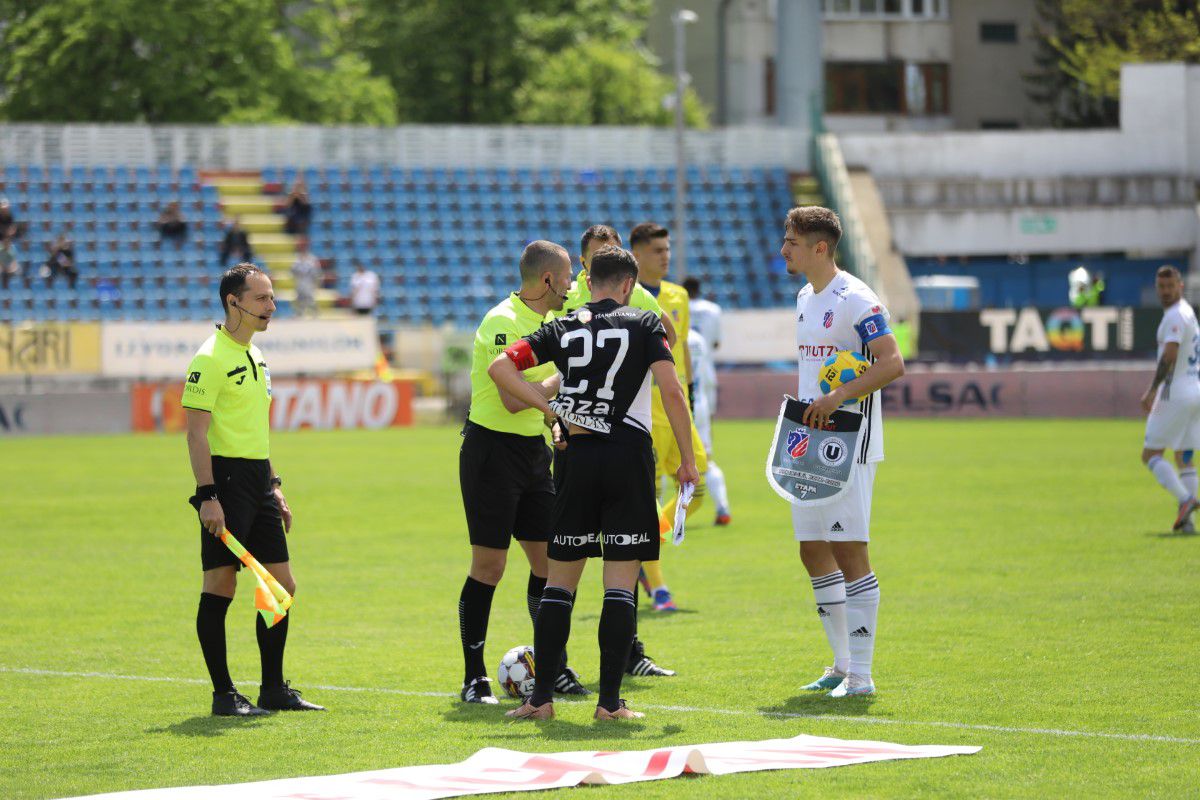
(49, 348)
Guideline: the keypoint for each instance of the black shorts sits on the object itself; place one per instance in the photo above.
(244, 489)
(605, 505)
(506, 486)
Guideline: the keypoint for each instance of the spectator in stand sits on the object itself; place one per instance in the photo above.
(61, 261)
(235, 248)
(364, 290)
(8, 224)
(171, 224)
(306, 271)
(10, 262)
(298, 210)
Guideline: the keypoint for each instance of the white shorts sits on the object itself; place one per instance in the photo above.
(1174, 425)
(847, 519)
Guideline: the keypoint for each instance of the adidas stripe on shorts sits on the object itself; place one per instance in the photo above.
(848, 519)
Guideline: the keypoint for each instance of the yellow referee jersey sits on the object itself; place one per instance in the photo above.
(230, 380)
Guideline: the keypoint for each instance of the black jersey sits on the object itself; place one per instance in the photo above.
(604, 351)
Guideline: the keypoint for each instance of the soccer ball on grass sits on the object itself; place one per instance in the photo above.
(842, 367)
(517, 671)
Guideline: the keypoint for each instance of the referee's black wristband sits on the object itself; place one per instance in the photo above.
(203, 493)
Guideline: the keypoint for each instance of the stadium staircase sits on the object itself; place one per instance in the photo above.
(258, 206)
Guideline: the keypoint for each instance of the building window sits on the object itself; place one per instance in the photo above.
(898, 9)
(1000, 32)
(889, 87)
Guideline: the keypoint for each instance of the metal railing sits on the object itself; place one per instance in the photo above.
(854, 252)
(476, 146)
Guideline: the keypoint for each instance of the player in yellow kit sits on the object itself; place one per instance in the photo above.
(651, 246)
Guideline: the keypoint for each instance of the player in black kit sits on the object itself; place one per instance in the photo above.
(606, 353)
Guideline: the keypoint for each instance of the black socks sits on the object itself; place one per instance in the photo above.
(616, 639)
(474, 609)
(210, 629)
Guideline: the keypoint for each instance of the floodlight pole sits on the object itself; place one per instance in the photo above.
(679, 227)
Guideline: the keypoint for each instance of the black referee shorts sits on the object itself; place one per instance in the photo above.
(605, 505)
(244, 490)
(506, 486)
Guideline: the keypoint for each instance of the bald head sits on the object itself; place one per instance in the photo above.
(541, 257)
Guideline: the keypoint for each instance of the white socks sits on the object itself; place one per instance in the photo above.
(830, 593)
(1169, 479)
(716, 485)
(862, 608)
(1187, 476)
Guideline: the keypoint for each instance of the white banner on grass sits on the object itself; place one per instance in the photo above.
(496, 770)
(158, 350)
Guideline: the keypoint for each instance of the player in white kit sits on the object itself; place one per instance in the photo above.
(704, 391)
(836, 311)
(706, 322)
(1172, 402)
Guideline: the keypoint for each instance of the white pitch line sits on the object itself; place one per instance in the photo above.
(1129, 737)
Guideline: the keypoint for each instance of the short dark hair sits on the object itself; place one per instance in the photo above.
(645, 231)
(692, 287)
(233, 281)
(540, 256)
(601, 233)
(611, 265)
(1169, 271)
(816, 222)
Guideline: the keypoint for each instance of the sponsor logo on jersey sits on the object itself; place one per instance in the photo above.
(194, 377)
(832, 452)
(828, 322)
(797, 443)
(841, 291)
(876, 309)
(801, 318)
(501, 339)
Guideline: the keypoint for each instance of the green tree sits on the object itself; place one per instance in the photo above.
(602, 84)
(1081, 46)
(176, 61)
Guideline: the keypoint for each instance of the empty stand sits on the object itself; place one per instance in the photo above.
(445, 242)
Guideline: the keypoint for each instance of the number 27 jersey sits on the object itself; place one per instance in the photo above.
(604, 351)
(845, 315)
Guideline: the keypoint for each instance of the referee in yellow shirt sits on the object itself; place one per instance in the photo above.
(227, 397)
(651, 246)
(504, 466)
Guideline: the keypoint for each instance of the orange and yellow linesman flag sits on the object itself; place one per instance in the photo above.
(271, 599)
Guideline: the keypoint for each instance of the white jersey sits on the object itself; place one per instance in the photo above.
(1179, 325)
(704, 371)
(846, 315)
(706, 318)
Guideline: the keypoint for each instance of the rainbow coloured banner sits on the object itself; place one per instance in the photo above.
(271, 599)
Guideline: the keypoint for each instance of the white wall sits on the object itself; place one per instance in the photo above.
(1159, 133)
(937, 232)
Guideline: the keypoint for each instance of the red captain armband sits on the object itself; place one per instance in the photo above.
(521, 354)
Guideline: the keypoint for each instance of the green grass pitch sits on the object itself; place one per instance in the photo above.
(1034, 603)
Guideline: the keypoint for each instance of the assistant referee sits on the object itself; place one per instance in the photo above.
(227, 397)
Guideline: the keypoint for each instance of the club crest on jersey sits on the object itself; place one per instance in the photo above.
(797, 443)
(828, 323)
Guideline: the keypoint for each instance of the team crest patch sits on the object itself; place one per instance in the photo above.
(797, 443)
(501, 338)
(828, 323)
